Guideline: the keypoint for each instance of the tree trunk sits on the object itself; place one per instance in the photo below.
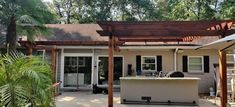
(11, 37)
(199, 10)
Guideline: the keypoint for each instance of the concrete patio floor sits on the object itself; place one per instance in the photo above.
(87, 99)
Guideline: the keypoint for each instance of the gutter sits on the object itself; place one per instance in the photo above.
(129, 47)
(175, 59)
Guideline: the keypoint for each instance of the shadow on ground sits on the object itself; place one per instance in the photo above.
(87, 99)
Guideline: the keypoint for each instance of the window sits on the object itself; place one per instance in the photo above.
(81, 61)
(148, 63)
(77, 71)
(195, 64)
(103, 70)
(41, 53)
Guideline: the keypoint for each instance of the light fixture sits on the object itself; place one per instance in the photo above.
(180, 51)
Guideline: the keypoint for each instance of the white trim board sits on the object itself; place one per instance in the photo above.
(128, 47)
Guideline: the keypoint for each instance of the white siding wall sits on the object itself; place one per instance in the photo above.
(167, 62)
(207, 79)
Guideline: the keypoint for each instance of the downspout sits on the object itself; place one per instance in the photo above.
(175, 59)
(43, 54)
(93, 67)
(56, 73)
(57, 59)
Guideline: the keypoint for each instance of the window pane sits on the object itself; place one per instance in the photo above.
(195, 67)
(148, 63)
(149, 59)
(148, 66)
(195, 60)
(152, 66)
(70, 65)
(70, 71)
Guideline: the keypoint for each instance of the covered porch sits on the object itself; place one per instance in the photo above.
(120, 34)
(167, 32)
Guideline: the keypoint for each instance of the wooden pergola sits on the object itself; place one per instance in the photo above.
(164, 31)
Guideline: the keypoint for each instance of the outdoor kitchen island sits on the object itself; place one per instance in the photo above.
(159, 90)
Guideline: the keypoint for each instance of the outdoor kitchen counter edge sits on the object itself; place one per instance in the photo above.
(158, 78)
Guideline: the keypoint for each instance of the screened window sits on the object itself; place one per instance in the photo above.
(195, 64)
(148, 63)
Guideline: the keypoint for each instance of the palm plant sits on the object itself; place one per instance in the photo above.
(24, 18)
(25, 80)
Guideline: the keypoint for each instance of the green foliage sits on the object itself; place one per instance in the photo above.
(90, 11)
(188, 9)
(24, 18)
(36, 9)
(228, 9)
(30, 21)
(24, 80)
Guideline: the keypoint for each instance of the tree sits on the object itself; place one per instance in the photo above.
(228, 9)
(188, 10)
(65, 10)
(24, 18)
(134, 10)
(24, 80)
(90, 11)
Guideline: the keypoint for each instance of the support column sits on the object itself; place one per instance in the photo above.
(29, 49)
(223, 77)
(110, 73)
(53, 63)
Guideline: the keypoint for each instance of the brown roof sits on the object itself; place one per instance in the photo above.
(87, 32)
(73, 32)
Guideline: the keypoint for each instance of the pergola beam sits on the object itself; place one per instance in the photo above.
(155, 25)
(151, 40)
(69, 43)
(163, 33)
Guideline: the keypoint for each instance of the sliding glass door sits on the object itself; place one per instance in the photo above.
(77, 71)
(103, 70)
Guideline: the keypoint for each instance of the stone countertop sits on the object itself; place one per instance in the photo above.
(159, 78)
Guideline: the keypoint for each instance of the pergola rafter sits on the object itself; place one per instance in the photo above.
(168, 31)
(164, 31)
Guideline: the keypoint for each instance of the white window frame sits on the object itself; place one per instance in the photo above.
(142, 57)
(196, 71)
(63, 55)
(43, 53)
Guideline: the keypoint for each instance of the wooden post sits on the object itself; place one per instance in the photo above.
(223, 77)
(29, 49)
(53, 63)
(110, 72)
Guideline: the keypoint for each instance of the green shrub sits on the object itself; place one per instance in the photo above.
(25, 80)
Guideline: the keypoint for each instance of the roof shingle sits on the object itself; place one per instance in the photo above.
(87, 32)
